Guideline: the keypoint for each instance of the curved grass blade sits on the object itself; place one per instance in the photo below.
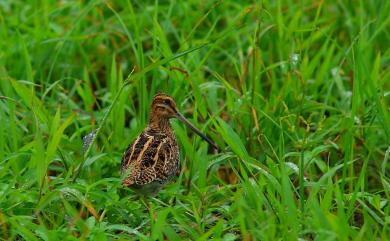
(91, 138)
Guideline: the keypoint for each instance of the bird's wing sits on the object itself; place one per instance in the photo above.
(142, 159)
(134, 152)
(168, 162)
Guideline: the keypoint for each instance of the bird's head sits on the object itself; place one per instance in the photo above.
(164, 107)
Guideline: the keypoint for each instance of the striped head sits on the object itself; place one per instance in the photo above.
(163, 106)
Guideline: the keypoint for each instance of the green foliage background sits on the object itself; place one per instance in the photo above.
(296, 94)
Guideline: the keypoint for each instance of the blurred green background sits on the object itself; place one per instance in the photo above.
(296, 94)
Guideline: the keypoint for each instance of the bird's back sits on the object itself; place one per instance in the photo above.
(152, 159)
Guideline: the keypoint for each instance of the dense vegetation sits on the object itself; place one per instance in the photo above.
(296, 94)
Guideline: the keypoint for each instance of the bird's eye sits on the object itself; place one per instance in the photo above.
(167, 102)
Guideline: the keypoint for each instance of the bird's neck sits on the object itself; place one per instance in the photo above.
(160, 124)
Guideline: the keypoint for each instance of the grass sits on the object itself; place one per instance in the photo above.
(296, 94)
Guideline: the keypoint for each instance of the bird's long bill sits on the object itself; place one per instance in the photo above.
(183, 119)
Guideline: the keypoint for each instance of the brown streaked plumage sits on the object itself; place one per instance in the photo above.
(152, 159)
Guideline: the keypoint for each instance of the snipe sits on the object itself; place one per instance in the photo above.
(152, 159)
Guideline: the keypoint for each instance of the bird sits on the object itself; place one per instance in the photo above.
(152, 159)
